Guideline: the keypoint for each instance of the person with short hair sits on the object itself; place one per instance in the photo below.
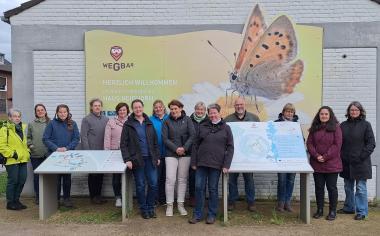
(61, 135)
(285, 181)
(240, 115)
(324, 143)
(38, 151)
(112, 136)
(140, 151)
(357, 147)
(178, 134)
(158, 117)
(212, 154)
(14, 148)
(92, 138)
(198, 117)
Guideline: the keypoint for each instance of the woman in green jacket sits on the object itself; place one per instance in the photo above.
(38, 150)
(14, 148)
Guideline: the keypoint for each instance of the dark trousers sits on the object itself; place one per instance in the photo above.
(116, 184)
(35, 163)
(329, 180)
(16, 179)
(95, 182)
(161, 178)
(191, 182)
(64, 181)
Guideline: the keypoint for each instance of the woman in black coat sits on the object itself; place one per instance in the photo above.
(358, 144)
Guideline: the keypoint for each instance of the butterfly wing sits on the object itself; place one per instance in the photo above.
(272, 79)
(278, 45)
(253, 31)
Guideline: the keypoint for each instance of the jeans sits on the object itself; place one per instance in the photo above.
(176, 166)
(356, 201)
(202, 175)
(95, 182)
(330, 180)
(65, 180)
(249, 188)
(35, 163)
(16, 179)
(148, 171)
(116, 184)
(161, 176)
(285, 185)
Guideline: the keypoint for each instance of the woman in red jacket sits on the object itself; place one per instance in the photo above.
(324, 144)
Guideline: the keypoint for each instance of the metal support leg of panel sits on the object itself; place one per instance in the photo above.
(48, 195)
(124, 196)
(305, 197)
(225, 197)
(129, 192)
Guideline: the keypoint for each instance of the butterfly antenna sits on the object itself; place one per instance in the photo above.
(235, 57)
(220, 53)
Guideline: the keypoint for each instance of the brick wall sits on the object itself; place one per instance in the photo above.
(196, 12)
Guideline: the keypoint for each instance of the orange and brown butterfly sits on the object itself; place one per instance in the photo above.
(265, 66)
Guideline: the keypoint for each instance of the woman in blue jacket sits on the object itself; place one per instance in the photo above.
(61, 135)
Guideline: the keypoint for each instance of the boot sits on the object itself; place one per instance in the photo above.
(288, 207)
(169, 209)
(181, 209)
(331, 215)
(280, 207)
(318, 214)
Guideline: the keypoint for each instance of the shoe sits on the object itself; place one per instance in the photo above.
(20, 205)
(169, 209)
(153, 214)
(252, 207)
(37, 201)
(231, 206)
(194, 220)
(192, 201)
(288, 207)
(210, 220)
(12, 206)
(331, 215)
(118, 202)
(318, 214)
(359, 217)
(102, 200)
(280, 207)
(342, 211)
(181, 209)
(67, 203)
(145, 215)
(98, 200)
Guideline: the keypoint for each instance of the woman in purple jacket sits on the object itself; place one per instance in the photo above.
(324, 144)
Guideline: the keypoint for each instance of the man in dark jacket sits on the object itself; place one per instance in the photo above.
(241, 114)
(92, 138)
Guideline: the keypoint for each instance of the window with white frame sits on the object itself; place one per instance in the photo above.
(3, 83)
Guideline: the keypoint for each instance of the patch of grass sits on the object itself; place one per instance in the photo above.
(86, 216)
(3, 183)
(276, 219)
(257, 217)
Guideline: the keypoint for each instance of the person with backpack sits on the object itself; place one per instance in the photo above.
(14, 149)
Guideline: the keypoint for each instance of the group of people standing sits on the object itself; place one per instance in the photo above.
(169, 151)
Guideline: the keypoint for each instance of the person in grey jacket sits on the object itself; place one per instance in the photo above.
(92, 138)
(38, 150)
(241, 114)
(177, 134)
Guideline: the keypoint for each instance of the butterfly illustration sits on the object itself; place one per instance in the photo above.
(265, 66)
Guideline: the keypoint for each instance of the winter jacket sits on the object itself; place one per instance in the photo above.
(92, 132)
(198, 124)
(58, 135)
(157, 123)
(328, 145)
(248, 116)
(214, 146)
(112, 133)
(178, 133)
(358, 144)
(36, 130)
(11, 143)
(129, 142)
